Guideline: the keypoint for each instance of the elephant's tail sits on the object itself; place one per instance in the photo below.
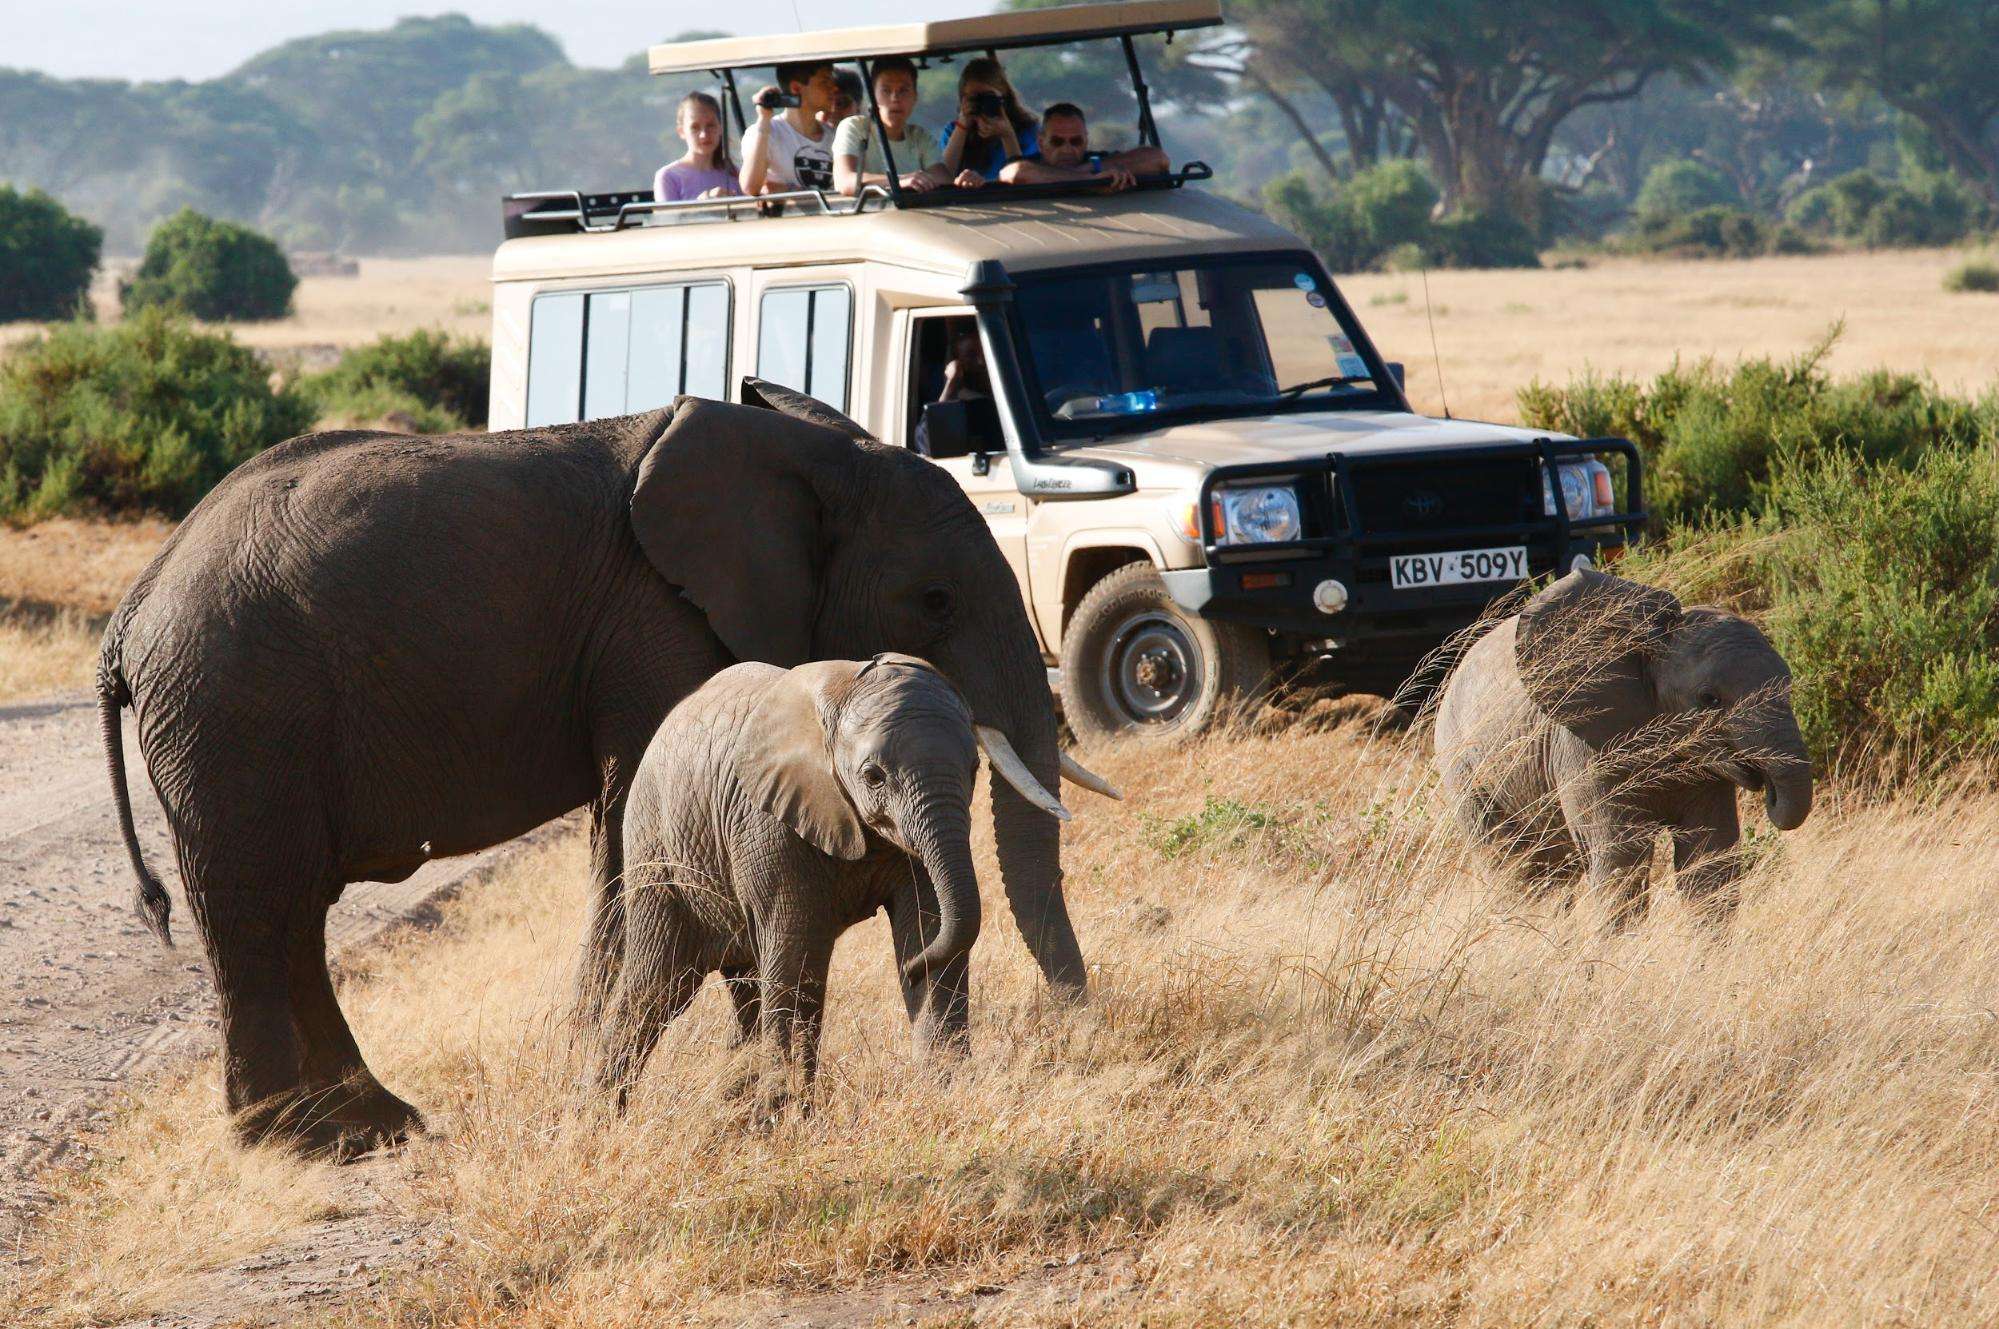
(153, 903)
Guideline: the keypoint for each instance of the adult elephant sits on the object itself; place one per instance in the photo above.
(362, 651)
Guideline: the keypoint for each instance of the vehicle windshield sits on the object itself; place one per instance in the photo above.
(1223, 336)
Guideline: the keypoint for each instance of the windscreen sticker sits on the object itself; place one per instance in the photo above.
(1314, 299)
(1341, 344)
(1352, 366)
(1303, 281)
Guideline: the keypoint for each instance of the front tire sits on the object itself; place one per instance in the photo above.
(1136, 663)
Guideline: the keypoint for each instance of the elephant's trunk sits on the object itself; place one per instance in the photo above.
(1787, 796)
(1030, 857)
(942, 840)
(1012, 696)
(1778, 755)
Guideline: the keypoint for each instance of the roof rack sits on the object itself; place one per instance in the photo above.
(567, 211)
(561, 211)
(1011, 30)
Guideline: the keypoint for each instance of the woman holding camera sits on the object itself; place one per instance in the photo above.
(992, 127)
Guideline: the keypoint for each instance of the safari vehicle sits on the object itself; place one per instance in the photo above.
(1198, 464)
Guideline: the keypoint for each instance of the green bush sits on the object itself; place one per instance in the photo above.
(1481, 240)
(47, 257)
(1924, 208)
(212, 270)
(1884, 598)
(145, 416)
(1973, 275)
(437, 380)
(1675, 188)
(1718, 231)
(1381, 218)
(1712, 437)
(1358, 220)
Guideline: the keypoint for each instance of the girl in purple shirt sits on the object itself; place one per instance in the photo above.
(705, 171)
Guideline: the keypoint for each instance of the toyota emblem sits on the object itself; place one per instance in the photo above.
(1423, 505)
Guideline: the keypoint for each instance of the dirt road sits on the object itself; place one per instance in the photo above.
(88, 998)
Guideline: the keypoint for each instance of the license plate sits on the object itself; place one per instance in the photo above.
(1408, 571)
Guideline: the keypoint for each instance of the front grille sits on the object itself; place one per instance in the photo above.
(1447, 494)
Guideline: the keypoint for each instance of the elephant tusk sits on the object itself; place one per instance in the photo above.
(1076, 773)
(1007, 763)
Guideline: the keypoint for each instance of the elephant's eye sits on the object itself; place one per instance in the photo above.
(1710, 701)
(938, 602)
(873, 776)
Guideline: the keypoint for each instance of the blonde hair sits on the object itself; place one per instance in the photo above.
(719, 159)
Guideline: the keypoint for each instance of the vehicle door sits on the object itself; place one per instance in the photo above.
(940, 347)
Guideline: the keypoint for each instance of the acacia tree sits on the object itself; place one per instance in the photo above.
(1933, 60)
(1484, 84)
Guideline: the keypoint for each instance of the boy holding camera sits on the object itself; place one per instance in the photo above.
(793, 150)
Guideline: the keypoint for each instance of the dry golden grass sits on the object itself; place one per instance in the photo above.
(1498, 330)
(58, 581)
(82, 565)
(1330, 1073)
(46, 652)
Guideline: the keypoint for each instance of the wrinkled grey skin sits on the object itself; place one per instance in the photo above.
(774, 810)
(1603, 713)
(362, 651)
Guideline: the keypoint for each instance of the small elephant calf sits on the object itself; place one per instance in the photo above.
(1604, 712)
(777, 808)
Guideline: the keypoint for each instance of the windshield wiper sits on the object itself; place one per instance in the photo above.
(1297, 389)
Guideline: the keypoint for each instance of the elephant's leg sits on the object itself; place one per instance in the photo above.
(1707, 859)
(1620, 869)
(341, 1095)
(791, 966)
(658, 979)
(746, 995)
(939, 1003)
(244, 931)
(604, 933)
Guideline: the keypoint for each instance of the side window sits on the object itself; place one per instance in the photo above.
(555, 360)
(615, 352)
(803, 333)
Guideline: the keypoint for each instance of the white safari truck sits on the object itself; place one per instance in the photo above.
(1199, 465)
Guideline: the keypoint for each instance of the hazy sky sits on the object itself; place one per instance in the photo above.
(197, 39)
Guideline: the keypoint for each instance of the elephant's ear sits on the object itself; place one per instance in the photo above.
(1584, 649)
(789, 401)
(786, 760)
(727, 507)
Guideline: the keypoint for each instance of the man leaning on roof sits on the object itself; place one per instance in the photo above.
(1065, 155)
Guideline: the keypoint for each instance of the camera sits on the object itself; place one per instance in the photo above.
(987, 105)
(776, 99)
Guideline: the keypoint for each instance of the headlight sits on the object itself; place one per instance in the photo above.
(1260, 515)
(1586, 489)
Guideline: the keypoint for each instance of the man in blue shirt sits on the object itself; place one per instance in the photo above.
(1065, 155)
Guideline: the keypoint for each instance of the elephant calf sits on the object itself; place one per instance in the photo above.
(1604, 712)
(777, 808)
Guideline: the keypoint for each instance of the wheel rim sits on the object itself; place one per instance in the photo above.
(1152, 672)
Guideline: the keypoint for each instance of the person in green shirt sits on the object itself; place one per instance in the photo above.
(857, 157)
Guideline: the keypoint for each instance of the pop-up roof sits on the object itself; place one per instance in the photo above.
(1010, 30)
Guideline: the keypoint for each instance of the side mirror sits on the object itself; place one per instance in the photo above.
(946, 429)
(1395, 372)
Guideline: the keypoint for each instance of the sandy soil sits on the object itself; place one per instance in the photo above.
(89, 1001)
